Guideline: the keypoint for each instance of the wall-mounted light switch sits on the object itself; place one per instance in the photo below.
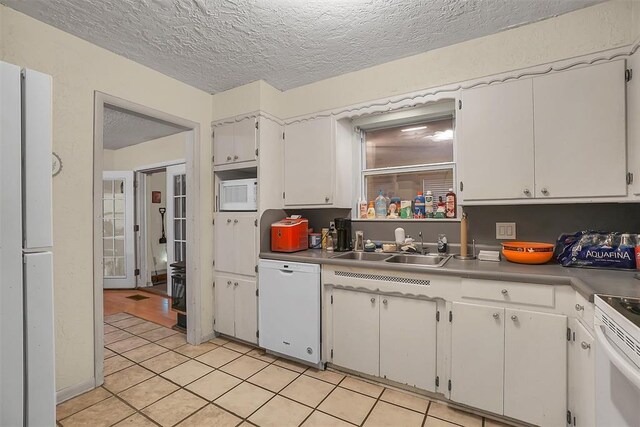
(505, 230)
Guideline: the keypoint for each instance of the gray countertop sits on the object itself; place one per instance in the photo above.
(587, 282)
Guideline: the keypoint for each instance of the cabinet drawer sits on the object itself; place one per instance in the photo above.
(509, 292)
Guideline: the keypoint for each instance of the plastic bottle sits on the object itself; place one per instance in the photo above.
(371, 212)
(362, 209)
(451, 204)
(381, 206)
(428, 205)
(440, 211)
(419, 209)
(442, 244)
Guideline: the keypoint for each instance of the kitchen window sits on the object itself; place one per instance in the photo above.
(404, 156)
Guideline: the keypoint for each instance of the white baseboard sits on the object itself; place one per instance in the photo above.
(74, 390)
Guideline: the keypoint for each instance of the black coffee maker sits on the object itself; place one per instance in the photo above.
(343, 231)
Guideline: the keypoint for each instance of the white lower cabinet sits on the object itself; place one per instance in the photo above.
(477, 356)
(535, 367)
(581, 355)
(407, 341)
(236, 307)
(510, 362)
(367, 338)
(356, 331)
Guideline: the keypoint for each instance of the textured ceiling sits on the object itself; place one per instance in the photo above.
(216, 45)
(124, 128)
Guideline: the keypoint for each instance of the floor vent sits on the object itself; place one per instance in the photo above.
(137, 297)
(379, 277)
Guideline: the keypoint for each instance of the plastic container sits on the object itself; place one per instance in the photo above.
(371, 212)
(443, 245)
(441, 210)
(428, 205)
(405, 209)
(419, 208)
(451, 204)
(362, 209)
(381, 206)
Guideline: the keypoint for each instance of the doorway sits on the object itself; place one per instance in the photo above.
(120, 198)
(161, 200)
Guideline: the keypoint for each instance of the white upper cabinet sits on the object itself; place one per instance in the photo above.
(235, 142)
(317, 163)
(495, 142)
(580, 132)
(557, 136)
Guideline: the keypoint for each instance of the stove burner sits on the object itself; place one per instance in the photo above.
(632, 306)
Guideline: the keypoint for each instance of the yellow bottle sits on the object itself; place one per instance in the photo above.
(371, 212)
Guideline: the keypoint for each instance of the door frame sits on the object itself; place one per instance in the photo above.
(194, 219)
(141, 173)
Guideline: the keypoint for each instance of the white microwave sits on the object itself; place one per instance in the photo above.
(239, 195)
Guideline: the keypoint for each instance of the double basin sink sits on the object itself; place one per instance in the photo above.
(428, 260)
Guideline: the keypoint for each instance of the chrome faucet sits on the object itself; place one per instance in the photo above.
(422, 251)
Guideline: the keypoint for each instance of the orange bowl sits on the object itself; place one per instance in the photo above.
(528, 252)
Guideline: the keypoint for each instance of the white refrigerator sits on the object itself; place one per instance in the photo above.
(27, 378)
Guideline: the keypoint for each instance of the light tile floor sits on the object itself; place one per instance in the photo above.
(153, 377)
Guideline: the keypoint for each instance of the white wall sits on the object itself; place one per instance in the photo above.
(600, 27)
(159, 150)
(155, 250)
(78, 69)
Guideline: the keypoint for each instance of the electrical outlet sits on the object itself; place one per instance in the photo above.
(505, 230)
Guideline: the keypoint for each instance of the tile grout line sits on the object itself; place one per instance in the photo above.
(251, 349)
(426, 414)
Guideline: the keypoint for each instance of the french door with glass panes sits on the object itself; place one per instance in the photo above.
(176, 216)
(118, 253)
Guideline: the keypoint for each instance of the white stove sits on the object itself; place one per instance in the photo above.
(617, 327)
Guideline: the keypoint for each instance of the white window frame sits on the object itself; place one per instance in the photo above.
(434, 112)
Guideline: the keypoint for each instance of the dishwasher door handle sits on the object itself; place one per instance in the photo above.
(286, 271)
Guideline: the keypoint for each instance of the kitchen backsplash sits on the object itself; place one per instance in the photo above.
(543, 223)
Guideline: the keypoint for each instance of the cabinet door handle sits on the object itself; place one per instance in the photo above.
(579, 307)
(235, 221)
(496, 316)
(235, 157)
(514, 318)
(373, 300)
(228, 282)
(527, 192)
(544, 191)
(228, 220)
(228, 158)
(235, 284)
(504, 292)
(585, 345)
(326, 199)
(384, 301)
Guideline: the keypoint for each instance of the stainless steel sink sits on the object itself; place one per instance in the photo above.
(363, 256)
(429, 260)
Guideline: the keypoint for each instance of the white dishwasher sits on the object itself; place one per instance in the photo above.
(289, 309)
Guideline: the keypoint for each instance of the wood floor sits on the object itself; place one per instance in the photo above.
(154, 308)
